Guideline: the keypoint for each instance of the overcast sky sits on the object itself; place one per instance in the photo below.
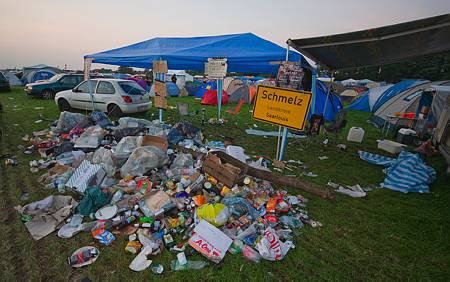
(60, 32)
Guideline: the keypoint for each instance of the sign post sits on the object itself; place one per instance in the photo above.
(282, 106)
(217, 68)
(160, 69)
(87, 70)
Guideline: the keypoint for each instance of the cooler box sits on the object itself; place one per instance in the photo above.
(406, 136)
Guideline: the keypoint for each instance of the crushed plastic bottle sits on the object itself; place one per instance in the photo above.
(175, 265)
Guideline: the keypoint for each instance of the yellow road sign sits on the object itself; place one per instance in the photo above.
(282, 106)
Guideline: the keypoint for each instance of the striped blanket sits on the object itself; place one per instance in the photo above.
(407, 173)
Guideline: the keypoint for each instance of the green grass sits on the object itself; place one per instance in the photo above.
(385, 236)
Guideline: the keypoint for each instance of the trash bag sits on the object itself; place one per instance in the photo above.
(182, 161)
(127, 145)
(121, 133)
(72, 158)
(239, 206)
(188, 129)
(216, 214)
(65, 146)
(100, 118)
(175, 136)
(104, 157)
(142, 160)
(90, 138)
(93, 200)
(270, 247)
(129, 122)
(68, 120)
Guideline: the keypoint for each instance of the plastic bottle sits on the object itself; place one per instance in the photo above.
(83, 257)
(175, 265)
(117, 196)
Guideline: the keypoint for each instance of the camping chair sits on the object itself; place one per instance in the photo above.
(237, 109)
(339, 123)
(312, 131)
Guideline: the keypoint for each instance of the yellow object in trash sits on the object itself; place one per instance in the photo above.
(133, 247)
(216, 214)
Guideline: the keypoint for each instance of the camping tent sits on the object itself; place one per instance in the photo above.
(234, 85)
(441, 94)
(364, 82)
(245, 52)
(211, 85)
(38, 72)
(408, 100)
(210, 98)
(394, 90)
(13, 79)
(226, 82)
(366, 100)
(242, 93)
(172, 89)
(192, 87)
(349, 82)
(333, 103)
(348, 95)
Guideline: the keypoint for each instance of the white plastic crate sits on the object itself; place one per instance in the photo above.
(390, 146)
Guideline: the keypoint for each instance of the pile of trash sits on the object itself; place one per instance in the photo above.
(132, 180)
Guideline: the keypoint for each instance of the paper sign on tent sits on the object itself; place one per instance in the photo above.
(210, 241)
(160, 67)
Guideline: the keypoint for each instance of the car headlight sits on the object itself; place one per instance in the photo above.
(29, 87)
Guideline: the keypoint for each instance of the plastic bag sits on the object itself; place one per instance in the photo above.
(216, 214)
(68, 120)
(90, 138)
(142, 160)
(182, 160)
(239, 206)
(126, 145)
(104, 157)
(127, 122)
(270, 247)
(100, 118)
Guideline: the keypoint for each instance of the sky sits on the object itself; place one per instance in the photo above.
(60, 33)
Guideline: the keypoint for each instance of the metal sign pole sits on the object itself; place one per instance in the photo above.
(280, 152)
(219, 95)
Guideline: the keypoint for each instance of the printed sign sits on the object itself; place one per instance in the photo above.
(216, 68)
(160, 102)
(160, 67)
(281, 106)
(210, 241)
(290, 75)
(87, 67)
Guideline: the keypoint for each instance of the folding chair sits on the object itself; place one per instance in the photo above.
(339, 123)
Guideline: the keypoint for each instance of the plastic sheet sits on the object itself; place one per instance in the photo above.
(90, 138)
(104, 157)
(68, 120)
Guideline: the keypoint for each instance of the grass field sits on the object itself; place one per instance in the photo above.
(385, 236)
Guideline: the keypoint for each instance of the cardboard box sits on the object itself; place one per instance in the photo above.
(227, 173)
(149, 140)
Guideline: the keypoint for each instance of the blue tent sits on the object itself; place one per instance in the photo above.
(211, 85)
(245, 52)
(172, 89)
(333, 105)
(368, 99)
(394, 90)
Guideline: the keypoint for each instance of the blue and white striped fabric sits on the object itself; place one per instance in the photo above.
(407, 173)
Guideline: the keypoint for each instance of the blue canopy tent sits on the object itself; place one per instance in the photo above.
(245, 52)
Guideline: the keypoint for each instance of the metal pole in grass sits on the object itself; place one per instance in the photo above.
(219, 95)
(285, 130)
(278, 156)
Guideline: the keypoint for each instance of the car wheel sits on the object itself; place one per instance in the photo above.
(48, 94)
(63, 105)
(114, 111)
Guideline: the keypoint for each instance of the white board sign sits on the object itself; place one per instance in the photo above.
(216, 68)
(210, 241)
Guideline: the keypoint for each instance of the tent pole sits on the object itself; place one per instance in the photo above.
(285, 130)
(328, 94)
(219, 95)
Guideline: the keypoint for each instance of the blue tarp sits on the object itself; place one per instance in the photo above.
(245, 52)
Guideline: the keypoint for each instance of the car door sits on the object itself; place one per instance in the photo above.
(104, 94)
(64, 83)
(81, 97)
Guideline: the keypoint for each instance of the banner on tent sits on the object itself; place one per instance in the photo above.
(281, 106)
(289, 75)
(160, 67)
(216, 68)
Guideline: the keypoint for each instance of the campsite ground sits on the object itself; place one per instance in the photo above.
(386, 236)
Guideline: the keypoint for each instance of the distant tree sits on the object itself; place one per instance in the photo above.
(127, 70)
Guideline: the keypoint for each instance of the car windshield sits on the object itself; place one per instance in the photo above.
(131, 88)
(56, 77)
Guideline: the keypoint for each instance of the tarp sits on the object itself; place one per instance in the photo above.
(378, 46)
(245, 52)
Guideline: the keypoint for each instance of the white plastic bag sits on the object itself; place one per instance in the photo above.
(270, 247)
(104, 157)
(142, 160)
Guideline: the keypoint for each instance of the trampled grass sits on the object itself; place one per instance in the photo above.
(385, 236)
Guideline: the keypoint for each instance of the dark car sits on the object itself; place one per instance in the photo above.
(4, 84)
(48, 88)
